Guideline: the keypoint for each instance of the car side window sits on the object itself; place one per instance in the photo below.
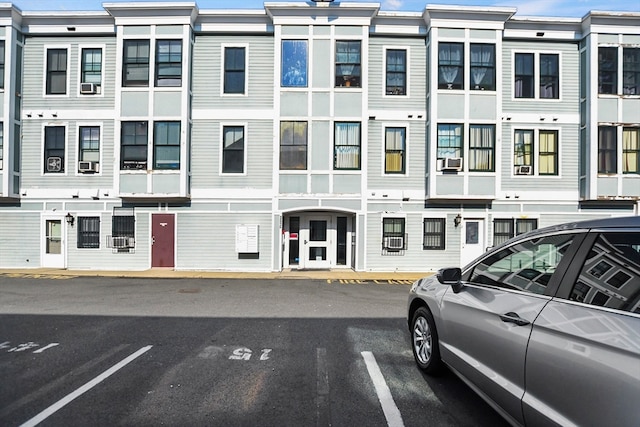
(525, 266)
(610, 276)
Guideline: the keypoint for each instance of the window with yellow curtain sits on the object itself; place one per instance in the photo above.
(395, 139)
(631, 150)
(548, 152)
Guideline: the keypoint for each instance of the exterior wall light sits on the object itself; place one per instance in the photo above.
(70, 218)
(457, 220)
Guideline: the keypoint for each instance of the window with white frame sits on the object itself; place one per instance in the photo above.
(168, 63)
(450, 65)
(1, 144)
(347, 146)
(609, 150)
(483, 66)
(396, 72)
(91, 72)
(89, 144)
(293, 145)
(395, 150)
(234, 70)
(393, 235)
(482, 141)
(536, 151)
(609, 70)
(449, 143)
(295, 55)
(54, 149)
(505, 229)
(631, 71)
(134, 142)
(233, 149)
(135, 63)
(166, 145)
(56, 79)
(348, 63)
(537, 75)
(123, 229)
(88, 232)
(433, 234)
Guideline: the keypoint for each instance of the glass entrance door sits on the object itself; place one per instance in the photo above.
(53, 243)
(317, 243)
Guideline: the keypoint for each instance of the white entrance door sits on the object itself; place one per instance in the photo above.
(473, 244)
(317, 247)
(53, 242)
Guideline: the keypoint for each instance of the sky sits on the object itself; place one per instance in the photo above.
(552, 8)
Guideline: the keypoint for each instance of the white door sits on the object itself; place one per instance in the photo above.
(317, 242)
(53, 242)
(473, 244)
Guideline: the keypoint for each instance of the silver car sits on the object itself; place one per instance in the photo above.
(546, 327)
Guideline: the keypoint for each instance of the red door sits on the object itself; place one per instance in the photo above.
(162, 240)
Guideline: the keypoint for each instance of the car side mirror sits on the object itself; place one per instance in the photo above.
(450, 276)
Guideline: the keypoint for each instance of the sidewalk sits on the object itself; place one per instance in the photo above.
(337, 275)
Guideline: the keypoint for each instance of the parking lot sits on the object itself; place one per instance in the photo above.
(263, 365)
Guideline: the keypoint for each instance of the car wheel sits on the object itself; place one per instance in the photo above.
(424, 341)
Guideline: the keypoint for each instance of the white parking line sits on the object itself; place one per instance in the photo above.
(88, 386)
(391, 411)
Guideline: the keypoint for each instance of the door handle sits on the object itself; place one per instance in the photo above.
(512, 317)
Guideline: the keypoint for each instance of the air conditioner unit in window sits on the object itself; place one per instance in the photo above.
(122, 242)
(452, 164)
(54, 164)
(394, 242)
(85, 167)
(88, 88)
(523, 170)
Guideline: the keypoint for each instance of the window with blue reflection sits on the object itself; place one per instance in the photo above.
(294, 63)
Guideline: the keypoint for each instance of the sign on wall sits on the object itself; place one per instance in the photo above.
(247, 239)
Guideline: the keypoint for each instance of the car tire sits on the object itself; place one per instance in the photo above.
(424, 341)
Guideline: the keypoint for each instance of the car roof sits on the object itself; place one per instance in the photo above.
(613, 222)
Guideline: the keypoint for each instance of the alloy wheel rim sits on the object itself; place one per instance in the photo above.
(422, 340)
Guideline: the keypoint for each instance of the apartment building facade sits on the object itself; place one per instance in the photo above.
(307, 135)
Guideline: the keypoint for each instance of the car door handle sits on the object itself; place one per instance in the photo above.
(512, 317)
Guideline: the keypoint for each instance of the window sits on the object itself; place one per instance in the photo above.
(232, 149)
(617, 285)
(607, 151)
(166, 145)
(607, 70)
(546, 74)
(630, 150)
(234, 70)
(505, 229)
(524, 75)
(169, 63)
(135, 70)
(449, 141)
(1, 65)
(89, 149)
(348, 68)
(450, 65)
(545, 150)
(396, 80)
(56, 72)
(433, 237)
(482, 148)
(549, 76)
(483, 66)
(395, 143)
(54, 149)
(548, 152)
(347, 146)
(91, 66)
(123, 229)
(88, 232)
(393, 234)
(525, 266)
(134, 145)
(293, 145)
(294, 63)
(631, 71)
